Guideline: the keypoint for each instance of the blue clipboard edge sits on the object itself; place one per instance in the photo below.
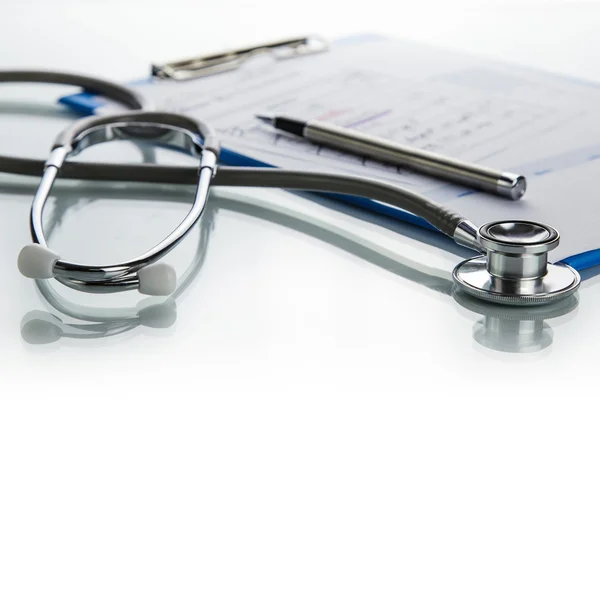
(86, 104)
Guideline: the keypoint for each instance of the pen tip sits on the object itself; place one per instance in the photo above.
(264, 119)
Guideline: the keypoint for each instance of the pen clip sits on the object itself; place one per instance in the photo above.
(211, 64)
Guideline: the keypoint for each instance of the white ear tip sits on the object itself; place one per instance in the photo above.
(158, 279)
(37, 262)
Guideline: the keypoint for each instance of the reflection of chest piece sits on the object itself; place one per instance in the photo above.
(516, 268)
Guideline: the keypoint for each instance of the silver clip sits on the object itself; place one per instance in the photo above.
(211, 64)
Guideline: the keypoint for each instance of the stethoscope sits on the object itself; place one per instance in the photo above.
(513, 267)
(502, 328)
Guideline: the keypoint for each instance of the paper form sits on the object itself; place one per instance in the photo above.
(506, 117)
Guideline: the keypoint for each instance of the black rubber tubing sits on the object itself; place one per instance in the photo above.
(443, 219)
(114, 91)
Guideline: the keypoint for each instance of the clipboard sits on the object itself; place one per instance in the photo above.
(559, 146)
(206, 65)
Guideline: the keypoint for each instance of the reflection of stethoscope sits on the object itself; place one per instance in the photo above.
(513, 268)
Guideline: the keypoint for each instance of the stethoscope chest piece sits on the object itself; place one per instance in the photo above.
(515, 269)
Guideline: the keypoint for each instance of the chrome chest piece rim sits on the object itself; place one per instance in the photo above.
(515, 269)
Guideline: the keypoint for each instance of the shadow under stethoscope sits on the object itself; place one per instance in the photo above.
(504, 329)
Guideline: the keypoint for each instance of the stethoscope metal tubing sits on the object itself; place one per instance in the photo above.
(104, 273)
(37, 260)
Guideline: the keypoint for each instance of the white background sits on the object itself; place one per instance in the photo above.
(313, 425)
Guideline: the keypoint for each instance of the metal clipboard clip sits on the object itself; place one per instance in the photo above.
(211, 64)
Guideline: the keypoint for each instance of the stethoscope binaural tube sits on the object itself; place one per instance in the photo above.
(143, 272)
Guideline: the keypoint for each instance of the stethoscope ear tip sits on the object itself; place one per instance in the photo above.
(158, 279)
(37, 262)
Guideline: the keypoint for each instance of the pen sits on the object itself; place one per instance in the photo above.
(504, 184)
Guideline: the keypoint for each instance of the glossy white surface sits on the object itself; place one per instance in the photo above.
(313, 416)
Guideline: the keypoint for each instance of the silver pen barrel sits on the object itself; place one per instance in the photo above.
(504, 184)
